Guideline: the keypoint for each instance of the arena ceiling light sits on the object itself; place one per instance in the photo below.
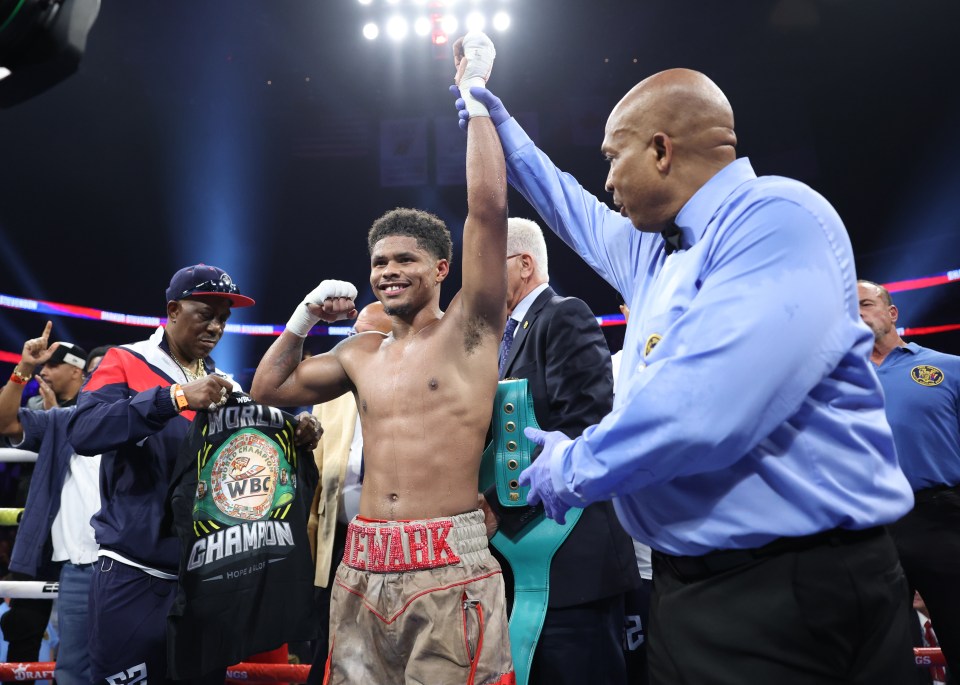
(422, 26)
(476, 21)
(439, 20)
(397, 28)
(449, 24)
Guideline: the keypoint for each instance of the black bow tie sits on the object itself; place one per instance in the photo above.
(672, 238)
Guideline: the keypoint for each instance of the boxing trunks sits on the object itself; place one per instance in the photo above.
(419, 601)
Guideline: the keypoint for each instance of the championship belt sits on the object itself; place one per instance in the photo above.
(530, 550)
(238, 504)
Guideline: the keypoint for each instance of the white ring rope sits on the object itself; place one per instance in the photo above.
(11, 455)
(29, 589)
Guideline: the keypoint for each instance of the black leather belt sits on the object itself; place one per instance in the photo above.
(720, 561)
(936, 492)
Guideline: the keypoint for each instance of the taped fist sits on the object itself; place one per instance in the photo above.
(331, 301)
(473, 56)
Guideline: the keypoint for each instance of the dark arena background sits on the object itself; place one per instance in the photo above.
(265, 138)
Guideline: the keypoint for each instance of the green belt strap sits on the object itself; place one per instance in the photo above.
(530, 552)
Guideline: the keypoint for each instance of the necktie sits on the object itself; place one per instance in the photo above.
(506, 343)
(936, 672)
(672, 238)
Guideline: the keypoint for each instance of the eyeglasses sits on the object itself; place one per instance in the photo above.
(511, 256)
(219, 286)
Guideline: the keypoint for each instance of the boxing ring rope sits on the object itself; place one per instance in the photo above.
(10, 517)
(297, 673)
(9, 455)
(94, 314)
(928, 656)
(271, 329)
(263, 673)
(29, 589)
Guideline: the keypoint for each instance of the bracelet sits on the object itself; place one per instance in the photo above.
(178, 397)
(19, 378)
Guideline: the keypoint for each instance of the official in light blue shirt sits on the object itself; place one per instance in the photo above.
(747, 444)
(748, 409)
(922, 388)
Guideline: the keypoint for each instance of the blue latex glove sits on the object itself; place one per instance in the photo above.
(537, 476)
(498, 113)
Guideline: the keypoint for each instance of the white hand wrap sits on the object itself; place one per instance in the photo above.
(302, 320)
(479, 52)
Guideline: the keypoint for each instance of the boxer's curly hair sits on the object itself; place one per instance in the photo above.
(429, 230)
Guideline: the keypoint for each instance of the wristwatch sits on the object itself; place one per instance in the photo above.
(19, 378)
(178, 397)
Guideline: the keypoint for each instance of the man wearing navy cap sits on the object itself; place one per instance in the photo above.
(136, 409)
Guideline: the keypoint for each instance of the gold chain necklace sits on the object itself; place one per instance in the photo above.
(190, 376)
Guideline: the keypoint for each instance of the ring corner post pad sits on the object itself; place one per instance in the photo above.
(530, 551)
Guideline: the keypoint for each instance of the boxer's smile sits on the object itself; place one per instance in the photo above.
(393, 288)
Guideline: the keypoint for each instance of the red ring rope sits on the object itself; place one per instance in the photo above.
(247, 672)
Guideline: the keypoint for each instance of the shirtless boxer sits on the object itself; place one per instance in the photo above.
(418, 597)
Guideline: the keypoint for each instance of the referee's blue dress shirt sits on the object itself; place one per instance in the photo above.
(746, 406)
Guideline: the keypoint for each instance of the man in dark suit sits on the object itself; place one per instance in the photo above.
(558, 347)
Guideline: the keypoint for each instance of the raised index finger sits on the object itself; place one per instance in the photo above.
(46, 332)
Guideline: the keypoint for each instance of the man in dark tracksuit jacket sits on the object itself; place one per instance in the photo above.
(135, 410)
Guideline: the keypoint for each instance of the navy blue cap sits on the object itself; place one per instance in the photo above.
(207, 281)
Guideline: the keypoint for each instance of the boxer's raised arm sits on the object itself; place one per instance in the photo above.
(484, 291)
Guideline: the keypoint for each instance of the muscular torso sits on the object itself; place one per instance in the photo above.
(425, 403)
